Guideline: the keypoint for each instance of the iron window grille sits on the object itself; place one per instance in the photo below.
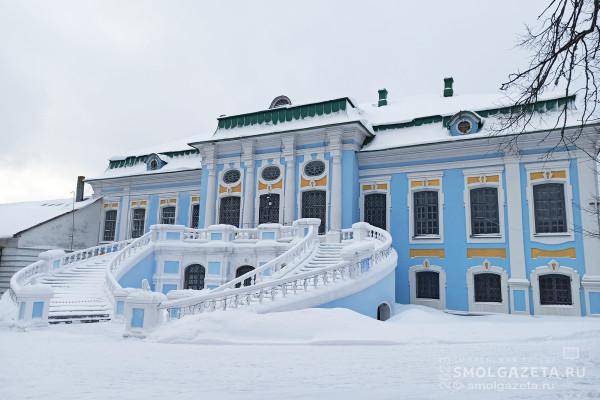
(314, 206)
(137, 222)
(268, 209)
(110, 224)
(271, 173)
(426, 213)
(194, 277)
(229, 211)
(376, 209)
(555, 289)
(485, 216)
(168, 215)
(195, 216)
(488, 288)
(428, 285)
(549, 208)
(231, 176)
(314, 168)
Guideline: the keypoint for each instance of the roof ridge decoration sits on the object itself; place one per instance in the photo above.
(285, 113)
(538, 106)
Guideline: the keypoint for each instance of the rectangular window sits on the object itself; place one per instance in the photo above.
(195, 216)
(110, 224)
(167, 215)
(426, 213)
(137, 222)
(485, 218)
(549, 208)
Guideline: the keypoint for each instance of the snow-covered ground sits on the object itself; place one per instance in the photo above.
(318, 353)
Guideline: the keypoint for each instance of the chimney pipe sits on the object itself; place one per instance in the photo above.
(79, 190)
(382, 97)
(448, 90)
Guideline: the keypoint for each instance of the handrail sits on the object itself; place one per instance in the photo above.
(244, 295)
(276, 264)
(55, 264)
(131, 249)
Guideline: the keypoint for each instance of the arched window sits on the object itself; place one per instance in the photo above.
(428, 285)
(244, 269)
(549, 208)
(268, 210)
(375, 209)
(488, 288)
(555, 289)
(383, 312)
(314, 206)
(229, 211)
(194, 277)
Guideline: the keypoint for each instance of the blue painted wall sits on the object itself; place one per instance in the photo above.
(152, 212)
(183, 208)
(367, 301)
(144, 269)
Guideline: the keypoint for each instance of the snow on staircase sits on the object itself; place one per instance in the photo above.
(327, 254)
(79, 293)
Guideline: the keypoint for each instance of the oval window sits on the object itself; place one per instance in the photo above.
(270, 173)
(231, 176)
(314, 168)
(464, 126)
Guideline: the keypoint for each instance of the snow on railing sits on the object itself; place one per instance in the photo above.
(289, 260)
(54, 261)
(291, 285)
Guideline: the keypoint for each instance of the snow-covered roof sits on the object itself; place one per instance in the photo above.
(19, 217)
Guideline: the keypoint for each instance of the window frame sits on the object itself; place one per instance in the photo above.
(426, 182)
(561, 187)
(274, 187)
(132, 211)
(194, 201)
(551, 172)
(488, 307)
(478, 179)
(102, 233)
(161, 210)
(412, 278)
(554, 267)
(376, 187)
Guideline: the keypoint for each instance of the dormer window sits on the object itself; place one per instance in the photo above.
(464, 126)
(154, 162)
(464, 123)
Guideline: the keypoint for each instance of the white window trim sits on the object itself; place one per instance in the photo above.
(553, 267)
(550, 238)
(487, 307)
(440, 303)
(388, 198)
(308, 158)
(491, 238)
(278, 191)
(411, 220)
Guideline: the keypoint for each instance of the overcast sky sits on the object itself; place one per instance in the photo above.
(83, 80)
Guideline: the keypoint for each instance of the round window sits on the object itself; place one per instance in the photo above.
(464, 126)
(231, 176)
(270, 173)
(314, 168)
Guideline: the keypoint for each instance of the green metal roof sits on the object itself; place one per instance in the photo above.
(285, 114)
(133, 160)
(538, 106)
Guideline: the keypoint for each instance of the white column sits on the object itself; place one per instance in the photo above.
(208, 162)
(518, 278)
(335, 150)
(290, 180)
(249, 184)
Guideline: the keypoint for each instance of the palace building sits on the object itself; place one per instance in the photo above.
(480, 219)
